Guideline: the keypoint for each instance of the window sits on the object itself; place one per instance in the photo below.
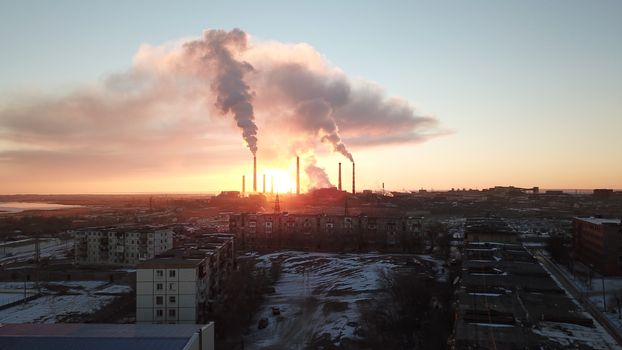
(159, 300)
(171, 286)
(171, 273)
(159, 286)
(159, 313)
(159, 273)
(171, 312)
(171, 299)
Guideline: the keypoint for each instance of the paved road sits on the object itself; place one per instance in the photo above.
(589, 307)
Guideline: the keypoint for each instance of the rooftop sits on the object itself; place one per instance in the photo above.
(600, 221)
(96, 336)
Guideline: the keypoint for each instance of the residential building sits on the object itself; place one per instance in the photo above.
(106, 336)
(180, 285)
(598, 243)
(121, 245)
(322, 231)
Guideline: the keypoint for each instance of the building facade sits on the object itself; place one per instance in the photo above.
(121, 246)
(598, 243)
(181, 285)
(320, 231)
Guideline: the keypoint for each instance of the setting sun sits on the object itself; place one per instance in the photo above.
(283, 181)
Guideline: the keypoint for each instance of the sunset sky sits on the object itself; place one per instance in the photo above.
(115, 96)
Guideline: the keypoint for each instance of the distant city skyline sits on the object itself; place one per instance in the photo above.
(473, 95)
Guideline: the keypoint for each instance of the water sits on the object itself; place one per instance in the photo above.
(17, 207)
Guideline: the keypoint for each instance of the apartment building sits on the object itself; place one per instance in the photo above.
(598, 242)
(320, 231)
(121, 245)
(180, 285)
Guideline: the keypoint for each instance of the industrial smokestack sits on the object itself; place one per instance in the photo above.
(243, 184)
(264, 183)
(353, 179)
(254, 173)
(339, 176)
(297, 175)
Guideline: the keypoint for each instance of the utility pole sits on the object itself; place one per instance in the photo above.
(602, 276)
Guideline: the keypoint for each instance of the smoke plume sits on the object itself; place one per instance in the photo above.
(165, 114)
(316, 114)
(215, 51)
(316, 175)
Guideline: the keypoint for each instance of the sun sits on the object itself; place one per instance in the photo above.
(283, 181)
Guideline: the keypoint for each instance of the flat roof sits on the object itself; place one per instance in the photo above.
(600, 221)
(96, 336)
(171, 262)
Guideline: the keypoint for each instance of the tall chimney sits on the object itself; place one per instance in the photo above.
(297, 175)
(264, 183)
(353, 179)
(339, 176)
(254, 174)
(243, 184)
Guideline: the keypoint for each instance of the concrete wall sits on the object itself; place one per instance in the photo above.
(120, 248)
(166, 295)
(203, 340)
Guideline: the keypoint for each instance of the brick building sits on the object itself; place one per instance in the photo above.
(598, 242)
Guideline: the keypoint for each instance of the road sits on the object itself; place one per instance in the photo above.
(576, 294)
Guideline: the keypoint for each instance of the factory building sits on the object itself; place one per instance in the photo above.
(325, 232)
(598, 242)
(121, 245)
(181, 285)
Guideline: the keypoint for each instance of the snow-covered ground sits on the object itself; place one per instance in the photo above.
(570, 335)
(48, 248)
(613, 289)
(319, 295)
(11, 296)
(59, 300)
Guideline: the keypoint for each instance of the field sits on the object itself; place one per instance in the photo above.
(320, 296)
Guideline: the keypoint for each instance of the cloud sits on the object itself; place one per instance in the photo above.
(180, 103)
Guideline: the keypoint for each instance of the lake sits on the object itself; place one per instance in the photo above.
(17, 207)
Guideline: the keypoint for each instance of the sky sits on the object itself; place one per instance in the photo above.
(102, 96)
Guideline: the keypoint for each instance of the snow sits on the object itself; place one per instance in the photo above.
(594, 294)
(81, 297)
(486, 294)
(16, 285)
(115, 289)
(441, 272)
(568, 335)
(563, 333)
(319, 295)
(7, 298)
(49, 248)
(495, 325)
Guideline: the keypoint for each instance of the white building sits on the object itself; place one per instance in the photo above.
(121, 245)
(180, 285)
